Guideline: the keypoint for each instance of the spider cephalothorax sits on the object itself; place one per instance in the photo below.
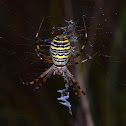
(60, 50)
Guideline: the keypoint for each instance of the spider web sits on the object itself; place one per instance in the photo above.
(19, 43)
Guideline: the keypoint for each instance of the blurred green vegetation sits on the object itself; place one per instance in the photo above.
(103, 78)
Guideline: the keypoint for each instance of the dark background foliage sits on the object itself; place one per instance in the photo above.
(103, 78)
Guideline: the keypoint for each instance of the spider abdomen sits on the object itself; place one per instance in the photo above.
(60, 50)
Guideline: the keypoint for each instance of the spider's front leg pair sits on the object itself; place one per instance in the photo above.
(43, 77)
(73, 83)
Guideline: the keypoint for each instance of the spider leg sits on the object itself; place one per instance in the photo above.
(48, 61)
(47, 72)
(76, 92)
(44, 79)
(74, 84)
(37, 49)
(84, 43)
(85, 60)
(74, 89)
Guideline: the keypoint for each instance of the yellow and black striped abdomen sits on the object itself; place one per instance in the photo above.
(60, 50)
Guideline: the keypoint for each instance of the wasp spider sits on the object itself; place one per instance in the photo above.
(60, 50)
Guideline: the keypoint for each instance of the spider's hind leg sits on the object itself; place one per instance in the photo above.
(37, 49)
(84, 43)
